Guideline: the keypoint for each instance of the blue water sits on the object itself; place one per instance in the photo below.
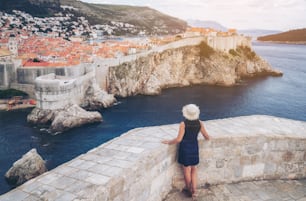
(279, 96)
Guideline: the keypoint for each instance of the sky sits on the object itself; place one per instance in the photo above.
(280, 15)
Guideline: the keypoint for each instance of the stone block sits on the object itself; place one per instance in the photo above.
(161, 180)
(287, 156)
(62, 182)
(97, 179)
(291, 168)
(220, 163)
(115, 186)
(238, 171)
(93, 192)
(297, 145)
(253, 170)
(270, 168)
(256, 159)
(280, 145)
(245, 160)
(253, 149)
(228, 174)
(14, 195)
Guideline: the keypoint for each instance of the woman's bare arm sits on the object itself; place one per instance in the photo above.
(179, 137)
(203, 131)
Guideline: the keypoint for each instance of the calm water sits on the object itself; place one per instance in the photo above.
(279, 96)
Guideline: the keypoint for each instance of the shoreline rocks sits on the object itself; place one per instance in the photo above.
(62, 120)
(73, 116)
(95, 98)
(29, 166)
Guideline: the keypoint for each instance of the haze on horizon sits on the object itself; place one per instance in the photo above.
(280, 15)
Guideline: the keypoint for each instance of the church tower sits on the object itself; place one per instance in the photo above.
(13, 45)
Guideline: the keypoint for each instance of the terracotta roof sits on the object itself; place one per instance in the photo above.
(4, 52)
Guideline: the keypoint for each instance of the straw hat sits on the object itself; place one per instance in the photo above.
(191, 112)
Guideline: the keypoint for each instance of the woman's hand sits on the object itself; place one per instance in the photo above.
(166, 141)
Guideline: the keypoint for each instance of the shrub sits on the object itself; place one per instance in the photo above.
(205, 50)
(246, 51)
(233, 52)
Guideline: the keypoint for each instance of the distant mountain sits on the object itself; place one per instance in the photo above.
(206, 24)
(144, 19)
(254, 33)
(292, 36)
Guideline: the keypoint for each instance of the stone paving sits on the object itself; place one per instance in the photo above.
(273, 190)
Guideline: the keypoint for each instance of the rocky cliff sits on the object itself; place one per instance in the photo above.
(185, 66)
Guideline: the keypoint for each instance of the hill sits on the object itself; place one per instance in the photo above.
(254, 33)
(292, 36)
(207, 24)
(142, 19)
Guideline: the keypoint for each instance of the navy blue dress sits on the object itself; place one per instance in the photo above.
(189, 149)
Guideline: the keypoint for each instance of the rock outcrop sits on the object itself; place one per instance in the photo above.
(73, 116)
(60, 101)
(95, 98)
(29, 166)
(64, 119)
(185, 66)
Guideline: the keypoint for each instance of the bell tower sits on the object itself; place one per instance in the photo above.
(13, 45)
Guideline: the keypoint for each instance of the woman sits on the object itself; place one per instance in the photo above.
(188, 154)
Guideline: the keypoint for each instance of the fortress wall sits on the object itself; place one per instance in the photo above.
(137, 166)
(102, 65)
(27, 75)
(55, 92)
(7, 74)
(225, 43)
(216, 42)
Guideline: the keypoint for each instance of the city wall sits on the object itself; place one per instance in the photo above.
(216, 42)
(27, 75)
(55, 92)
(7, 74)
(225, 43)
(23, 78)
(137, 166)
(14, 76)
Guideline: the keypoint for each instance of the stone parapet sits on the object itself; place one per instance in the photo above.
(137, 166)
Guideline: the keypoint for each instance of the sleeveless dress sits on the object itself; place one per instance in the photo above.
(189, 149)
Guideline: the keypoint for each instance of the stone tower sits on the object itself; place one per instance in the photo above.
(13, 45)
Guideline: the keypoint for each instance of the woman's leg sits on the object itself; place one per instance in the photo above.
(187, 176)
(193, 171)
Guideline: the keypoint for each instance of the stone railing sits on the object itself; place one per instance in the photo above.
(137, 166)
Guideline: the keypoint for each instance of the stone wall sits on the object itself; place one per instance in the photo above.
(137, 166)
(54, 92)
(225, 43)
(183, 66)
(7, 74)
(27, 75)
(218, 43)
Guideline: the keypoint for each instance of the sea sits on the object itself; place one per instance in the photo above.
(278, 96)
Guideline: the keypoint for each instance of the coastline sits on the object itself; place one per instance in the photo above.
(284, 42)
(26, 103)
